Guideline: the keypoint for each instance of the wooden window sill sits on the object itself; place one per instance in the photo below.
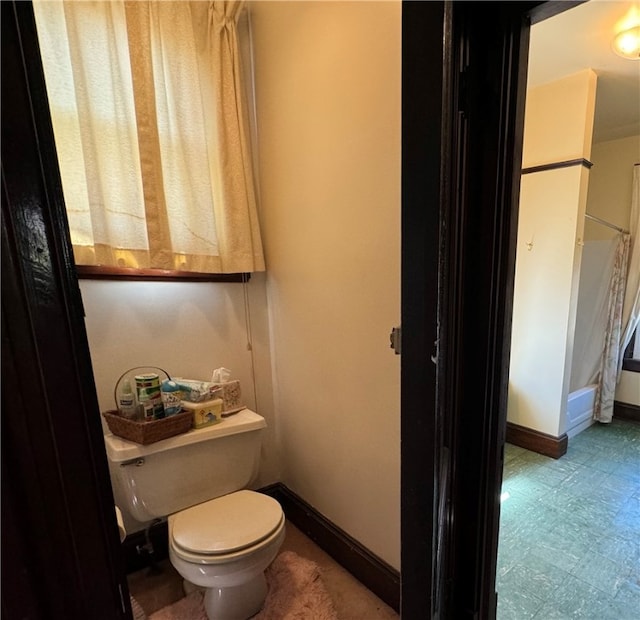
(92, 272)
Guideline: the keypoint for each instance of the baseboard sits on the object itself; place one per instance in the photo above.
(536, 441)
(626, 411)
(381, 578)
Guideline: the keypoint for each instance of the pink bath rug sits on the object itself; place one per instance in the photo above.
(296, 592)
(188, 608)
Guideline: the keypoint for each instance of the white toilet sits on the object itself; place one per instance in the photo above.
(222, 536)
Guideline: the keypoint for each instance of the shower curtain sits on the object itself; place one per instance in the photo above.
(605, 392)
(596, 270)
(623, 309)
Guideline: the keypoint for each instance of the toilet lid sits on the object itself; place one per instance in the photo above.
(226, 524)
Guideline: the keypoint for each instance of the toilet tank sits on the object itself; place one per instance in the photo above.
(170, 475)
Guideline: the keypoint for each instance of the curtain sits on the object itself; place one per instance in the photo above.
(151, 124)
(596, 269)
(605, 392)
(631, 308)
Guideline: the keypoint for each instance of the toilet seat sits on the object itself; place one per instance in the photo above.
(226, 528)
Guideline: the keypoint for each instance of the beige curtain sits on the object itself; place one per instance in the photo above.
(151, 124)
(607, 380)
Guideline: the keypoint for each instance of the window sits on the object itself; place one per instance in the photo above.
(631, 360)
(150, 118)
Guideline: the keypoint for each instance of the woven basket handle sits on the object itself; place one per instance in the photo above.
(126, 372)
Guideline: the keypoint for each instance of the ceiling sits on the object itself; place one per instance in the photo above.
(580, 38)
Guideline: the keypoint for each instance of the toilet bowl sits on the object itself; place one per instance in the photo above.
(224, 546)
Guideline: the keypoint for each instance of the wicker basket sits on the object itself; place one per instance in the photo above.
(145, 431)
(148, 432)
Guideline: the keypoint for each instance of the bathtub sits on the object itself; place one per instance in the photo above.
(580, 409)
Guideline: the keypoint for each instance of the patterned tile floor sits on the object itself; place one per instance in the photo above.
(570, 529)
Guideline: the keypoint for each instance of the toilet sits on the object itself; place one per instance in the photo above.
(222, 536)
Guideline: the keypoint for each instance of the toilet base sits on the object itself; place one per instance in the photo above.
(236, 602)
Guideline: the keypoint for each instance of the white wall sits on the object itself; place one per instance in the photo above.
(186, 329)
(610, 199)
(558, 126)
(545, 298)
(328, 109)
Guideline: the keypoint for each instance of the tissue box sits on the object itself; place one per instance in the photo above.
(201, 391)
(196, 391)
(231, 397)
(205, 413)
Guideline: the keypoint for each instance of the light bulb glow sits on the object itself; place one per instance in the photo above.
(627, 44)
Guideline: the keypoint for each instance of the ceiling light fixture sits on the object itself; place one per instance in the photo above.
(627, 43)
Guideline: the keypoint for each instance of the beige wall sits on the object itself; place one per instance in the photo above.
(558, 124)
(610, 199)
(559, 120)
(610, 184)
(328, 110)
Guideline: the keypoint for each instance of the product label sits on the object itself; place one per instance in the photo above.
(148, 382)
(127, 401)
(148, 393)
(147, 409)
(148, 389)
(172, 402)
(153, 408)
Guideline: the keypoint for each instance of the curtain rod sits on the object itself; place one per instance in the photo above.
(604, 223)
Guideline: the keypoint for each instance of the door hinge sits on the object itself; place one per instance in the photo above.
(395, 339)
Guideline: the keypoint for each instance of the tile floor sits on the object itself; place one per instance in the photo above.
(570, 529)
(352, 601)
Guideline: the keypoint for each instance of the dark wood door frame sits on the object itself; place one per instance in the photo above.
(60, 543)
(462, 105)
(461, 155)
(423, 92)
(480, 221)
(462, 132)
